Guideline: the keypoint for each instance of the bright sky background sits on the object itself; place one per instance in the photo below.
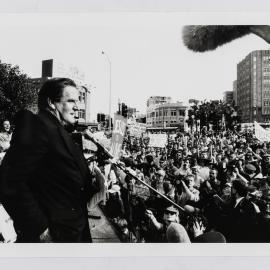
(146, 51)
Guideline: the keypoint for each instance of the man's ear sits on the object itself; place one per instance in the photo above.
(50, 104)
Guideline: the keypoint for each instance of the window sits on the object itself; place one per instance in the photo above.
(173, 113)
(82, 97)
(82, 114)
(181, 112)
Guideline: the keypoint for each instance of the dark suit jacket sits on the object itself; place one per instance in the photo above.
(45, 181)
(243, 222)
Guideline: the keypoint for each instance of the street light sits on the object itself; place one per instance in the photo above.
(110, 87)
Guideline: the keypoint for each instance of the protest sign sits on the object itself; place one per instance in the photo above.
(119, 129)
(137, 129)
(172, 136)
(247, 126)
(157, 140)
(261, 134)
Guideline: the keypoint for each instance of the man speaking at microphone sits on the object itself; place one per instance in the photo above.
(45, 182)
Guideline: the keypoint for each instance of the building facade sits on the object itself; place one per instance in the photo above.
(253, 87)
(228, 97)
(235, 92)
(164, 114)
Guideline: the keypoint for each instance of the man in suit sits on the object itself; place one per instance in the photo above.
(243, 215)
(45, 182)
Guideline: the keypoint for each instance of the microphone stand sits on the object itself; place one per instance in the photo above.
(150, 187)
(89, 136)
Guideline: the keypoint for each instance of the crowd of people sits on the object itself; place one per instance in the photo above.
(203, 186)
(217, 185)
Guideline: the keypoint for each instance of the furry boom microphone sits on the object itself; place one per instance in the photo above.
(201, 38)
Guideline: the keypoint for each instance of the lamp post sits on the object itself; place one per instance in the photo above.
(110, 87)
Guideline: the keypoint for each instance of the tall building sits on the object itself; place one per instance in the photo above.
(253, 86)
(161, 113)
(52, 68)
(235, 92)
(228, 97)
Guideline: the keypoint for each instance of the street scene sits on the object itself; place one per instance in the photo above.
(153, 131)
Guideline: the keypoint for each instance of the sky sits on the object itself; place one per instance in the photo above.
(146, 51)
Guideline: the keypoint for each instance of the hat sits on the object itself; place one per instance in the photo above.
(171, 208)
(250, 167)
(210, 237)
(128, 162)
(228, 184)
(161, 172)
(176, 233)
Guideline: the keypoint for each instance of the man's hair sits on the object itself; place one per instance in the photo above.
(189, 176)
(240, 187)
(52, 90)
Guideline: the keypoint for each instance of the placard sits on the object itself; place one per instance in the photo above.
(157, 140)
(119, 129)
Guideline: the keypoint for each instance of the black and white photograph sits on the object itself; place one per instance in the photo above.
(134, 128)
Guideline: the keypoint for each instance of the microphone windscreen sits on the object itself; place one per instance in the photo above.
(201, 38)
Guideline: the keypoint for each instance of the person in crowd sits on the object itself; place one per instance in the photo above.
(265, 164)
(197, 178)
(184, 169)
(170, 168)
(45, 182)
(214, 182)
(147, 165)
(169, 229)
(187, 195)
(243, 215)
(5, 136)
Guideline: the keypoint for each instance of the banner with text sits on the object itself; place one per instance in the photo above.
(157, 140)
(260, 133)
(137, 129)
(119, 129)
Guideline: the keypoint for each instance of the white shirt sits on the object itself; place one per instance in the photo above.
(238, 201)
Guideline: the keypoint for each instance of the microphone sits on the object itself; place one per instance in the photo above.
(201, 38)
(89, 136)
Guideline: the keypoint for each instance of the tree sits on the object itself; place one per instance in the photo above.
(16, 92)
